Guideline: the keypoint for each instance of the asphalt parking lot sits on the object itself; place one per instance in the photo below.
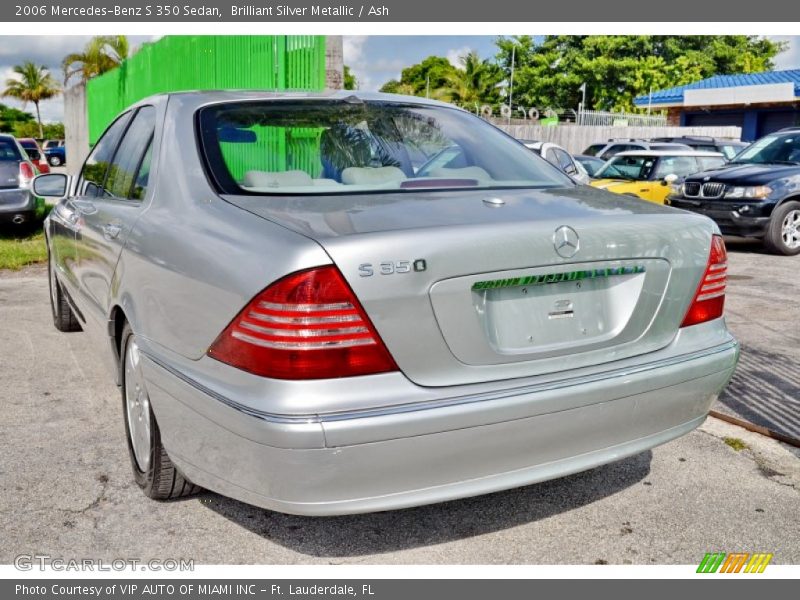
(67, 491)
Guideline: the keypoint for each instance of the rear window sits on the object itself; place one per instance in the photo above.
(341, 147)
(594, 149)
(731, 150)
(31, 150)
(710, 162)
(9, 151)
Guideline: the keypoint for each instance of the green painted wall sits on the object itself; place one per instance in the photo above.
(206, 62)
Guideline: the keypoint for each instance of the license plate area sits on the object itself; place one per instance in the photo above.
(569, 310)
(548, 316)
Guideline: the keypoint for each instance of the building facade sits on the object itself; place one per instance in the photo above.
(759, 103)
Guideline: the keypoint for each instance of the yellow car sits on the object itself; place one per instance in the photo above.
(648, 174)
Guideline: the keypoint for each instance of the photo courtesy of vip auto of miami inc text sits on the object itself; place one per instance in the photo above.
(398, 299)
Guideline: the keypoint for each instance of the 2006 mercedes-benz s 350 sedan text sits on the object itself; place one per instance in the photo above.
(337, 303)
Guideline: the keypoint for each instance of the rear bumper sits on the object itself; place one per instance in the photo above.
(750, 223)
(383, 459)
(16, 201)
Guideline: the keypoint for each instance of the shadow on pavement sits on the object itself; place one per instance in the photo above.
(376, 533)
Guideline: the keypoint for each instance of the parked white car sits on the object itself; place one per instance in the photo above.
(560, 158)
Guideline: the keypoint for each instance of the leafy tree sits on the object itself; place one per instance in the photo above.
(618, 68)
(33, 84)
(431, 74)
(350, 81)
(102, 53)
(51, 131)
(393, 86)
(11, 117)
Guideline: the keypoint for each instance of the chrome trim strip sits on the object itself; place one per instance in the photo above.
(316, 344)
(303, 333)
(434, 404)
(272, 418)
(309, 308)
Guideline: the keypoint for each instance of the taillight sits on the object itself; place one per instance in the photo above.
(26, 174)
(308, 325)
(709, 299)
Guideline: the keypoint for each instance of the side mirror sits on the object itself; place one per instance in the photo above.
(670, 179)
(51, 185)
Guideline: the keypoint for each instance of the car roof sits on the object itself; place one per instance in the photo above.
(213, 96)
(656, 153)
(695, 138)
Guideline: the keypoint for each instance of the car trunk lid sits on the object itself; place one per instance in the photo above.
(472, 286)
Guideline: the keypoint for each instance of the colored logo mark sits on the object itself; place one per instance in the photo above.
(741, 562)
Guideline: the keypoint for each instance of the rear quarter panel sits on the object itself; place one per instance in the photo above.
(192, 261)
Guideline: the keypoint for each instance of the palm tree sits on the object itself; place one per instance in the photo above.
(477, 81)
(33, 85)
(101, 54)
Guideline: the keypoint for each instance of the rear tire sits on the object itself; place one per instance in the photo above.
(55, 161)
(153, 469)
(63, 317)
(783, 231)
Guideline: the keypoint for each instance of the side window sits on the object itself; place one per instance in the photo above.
(550, 156)
(565, 162)
(94, 169)
(124, 169)
(143, 176)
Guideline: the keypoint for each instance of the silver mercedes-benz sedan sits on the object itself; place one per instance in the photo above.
(344, 302)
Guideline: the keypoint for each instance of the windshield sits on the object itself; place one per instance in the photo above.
(627, 167)
(772, 149)
(340, 147)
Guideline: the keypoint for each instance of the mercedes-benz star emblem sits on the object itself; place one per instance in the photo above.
(566, 241)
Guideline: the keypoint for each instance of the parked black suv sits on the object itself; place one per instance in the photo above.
(728, 148)
(756, 195)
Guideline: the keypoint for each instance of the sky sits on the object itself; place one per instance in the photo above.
(373, 59)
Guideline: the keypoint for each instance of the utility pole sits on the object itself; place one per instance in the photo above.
(511, 85)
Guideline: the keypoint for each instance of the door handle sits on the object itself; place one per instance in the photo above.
(85, 207)
(111, 231)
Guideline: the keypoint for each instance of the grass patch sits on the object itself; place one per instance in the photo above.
(20, 248)
(735, 443)
(22, 245)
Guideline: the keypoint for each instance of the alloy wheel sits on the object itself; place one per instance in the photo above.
(137, 404)
(790, 229)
